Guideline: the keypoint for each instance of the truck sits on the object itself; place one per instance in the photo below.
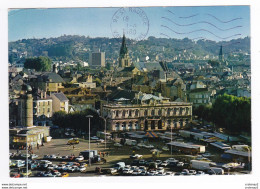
(119, 166)
(102, 135)
(90, 154)
(201, 165)
(130, 142)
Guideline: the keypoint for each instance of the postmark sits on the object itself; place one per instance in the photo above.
(132, 21)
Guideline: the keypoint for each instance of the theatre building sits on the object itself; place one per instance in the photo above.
(147, 113)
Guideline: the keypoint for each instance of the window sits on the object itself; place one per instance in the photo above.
(123, 113)
(152, 113)
(117, 113)
(159, 112)
(48, 110)
(130, 113)
(145, 112)
(136, 112)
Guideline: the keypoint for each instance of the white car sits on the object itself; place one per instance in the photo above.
(82, 169)
(161, 173)
(57, 174)
(149, 146)
(127, 171)
(141, 145)
(34, 156)
(169, 173)
(165, 148)
(94, 138)
(207, 155)
(136, 156)
(136, 172)
(164, 164)
(180, 164)
(118, 145)
(80, 158)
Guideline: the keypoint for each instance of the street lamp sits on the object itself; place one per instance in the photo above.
(171, 138)
(105, 131)
(27, 154)
(89, 116)
(249, 166)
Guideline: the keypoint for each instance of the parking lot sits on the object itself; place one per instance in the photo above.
(112, 155)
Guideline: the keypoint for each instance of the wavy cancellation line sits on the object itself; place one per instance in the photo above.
(222, 20)
(200, 22)
(181, 33)
(208, 15)
(189, 16)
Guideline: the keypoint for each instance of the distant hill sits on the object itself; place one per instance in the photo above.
(76, 47)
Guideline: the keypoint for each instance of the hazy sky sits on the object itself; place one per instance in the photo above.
(214, 23)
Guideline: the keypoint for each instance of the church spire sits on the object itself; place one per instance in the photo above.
(123, 49)
(220, 56)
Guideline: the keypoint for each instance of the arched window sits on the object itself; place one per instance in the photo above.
(159, 112)
(136, 113)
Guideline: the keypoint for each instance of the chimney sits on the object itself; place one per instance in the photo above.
(44, 94)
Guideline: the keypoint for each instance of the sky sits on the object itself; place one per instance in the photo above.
(218, 23)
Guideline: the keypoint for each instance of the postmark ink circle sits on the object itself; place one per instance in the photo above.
(133, 22)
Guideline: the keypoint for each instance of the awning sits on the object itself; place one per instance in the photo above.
(151, 134)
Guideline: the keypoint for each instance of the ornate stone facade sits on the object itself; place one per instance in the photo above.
(147, 117)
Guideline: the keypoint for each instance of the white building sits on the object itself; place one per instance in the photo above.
(59, 102)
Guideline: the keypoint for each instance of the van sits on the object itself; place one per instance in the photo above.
(130, 142)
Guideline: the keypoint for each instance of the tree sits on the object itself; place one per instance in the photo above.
(39, 64)
(232, 113)
(78, 120)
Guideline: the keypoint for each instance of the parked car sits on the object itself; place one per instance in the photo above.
(158, 162)
(136, 156)
(33, 156)
(118, 145)
(15, 175)
(142, 162)
(82, 169)
(180, 164)
(141, 145)
(136, 172)
(164, 164)
(64, 174)
(80, 158)
(165, 148)
(168, 173)
(94, 138)
(192, 172)
(149, 146)
(143, 173)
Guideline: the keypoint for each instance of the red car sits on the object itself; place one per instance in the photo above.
(15, 175)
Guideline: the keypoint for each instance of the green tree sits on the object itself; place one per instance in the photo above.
(232, 113)
(39, 63)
